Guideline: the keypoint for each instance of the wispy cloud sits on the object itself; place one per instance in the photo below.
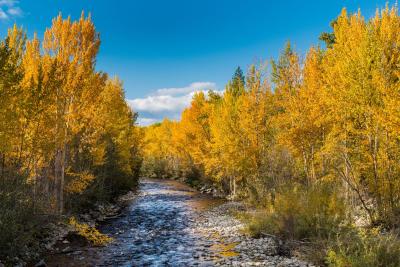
(8, 2)
(146, 121)
(167, 102)
(9, 9)
(193, 87)
(162, 103)
(15, 11)
(3, 15)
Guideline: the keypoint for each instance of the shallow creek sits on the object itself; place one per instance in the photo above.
(159, 228)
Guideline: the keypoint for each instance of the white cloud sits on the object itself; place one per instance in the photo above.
(167, 102)
(157, 104)
(15, 11)
(3, 15)
(9, 9)
(193, 87)
(146, 121)
(8, 2)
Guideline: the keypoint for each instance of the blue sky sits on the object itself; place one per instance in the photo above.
(164, 50)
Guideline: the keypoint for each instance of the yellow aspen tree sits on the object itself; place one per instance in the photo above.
(195, 130)
(72, 47)
(255, 111)
(355, 102)
(286, 76)
(304, 125)
(10, 108)
(225, 145)
(159, 150)
(385, 77)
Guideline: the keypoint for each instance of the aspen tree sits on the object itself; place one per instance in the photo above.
(72, 47)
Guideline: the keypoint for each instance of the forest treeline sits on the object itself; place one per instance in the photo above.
(67, 136)
(313, 142)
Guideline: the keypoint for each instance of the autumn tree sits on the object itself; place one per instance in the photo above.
(72, 47)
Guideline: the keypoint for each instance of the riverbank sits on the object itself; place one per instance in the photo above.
(58, 237)
(236, 248)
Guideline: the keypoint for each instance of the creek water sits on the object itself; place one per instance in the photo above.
(157, 229)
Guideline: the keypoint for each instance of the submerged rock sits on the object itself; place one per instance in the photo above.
(41, 263)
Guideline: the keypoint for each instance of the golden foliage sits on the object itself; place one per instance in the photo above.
(333, 117)
(61, 121)
(79, 182)
(90, 233)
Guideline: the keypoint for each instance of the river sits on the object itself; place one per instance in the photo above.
(157, 229)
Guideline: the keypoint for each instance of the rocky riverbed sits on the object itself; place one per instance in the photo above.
(232, 246)
(170, 224)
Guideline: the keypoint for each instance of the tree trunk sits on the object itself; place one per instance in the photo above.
(230, 185)
(3, 164)
(305, 166)
(313, 175)
(234, 188)
(59, 169)
(377, 190)
(34, 187)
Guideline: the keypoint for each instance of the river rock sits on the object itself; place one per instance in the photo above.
(41, 263)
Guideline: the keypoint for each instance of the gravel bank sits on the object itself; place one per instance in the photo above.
(233, 247)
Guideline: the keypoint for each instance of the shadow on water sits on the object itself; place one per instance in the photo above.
(156, 229)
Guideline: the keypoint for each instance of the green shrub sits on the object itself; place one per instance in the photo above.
(319, 215)
(364, 248)
(301, 214)
(17, 221)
